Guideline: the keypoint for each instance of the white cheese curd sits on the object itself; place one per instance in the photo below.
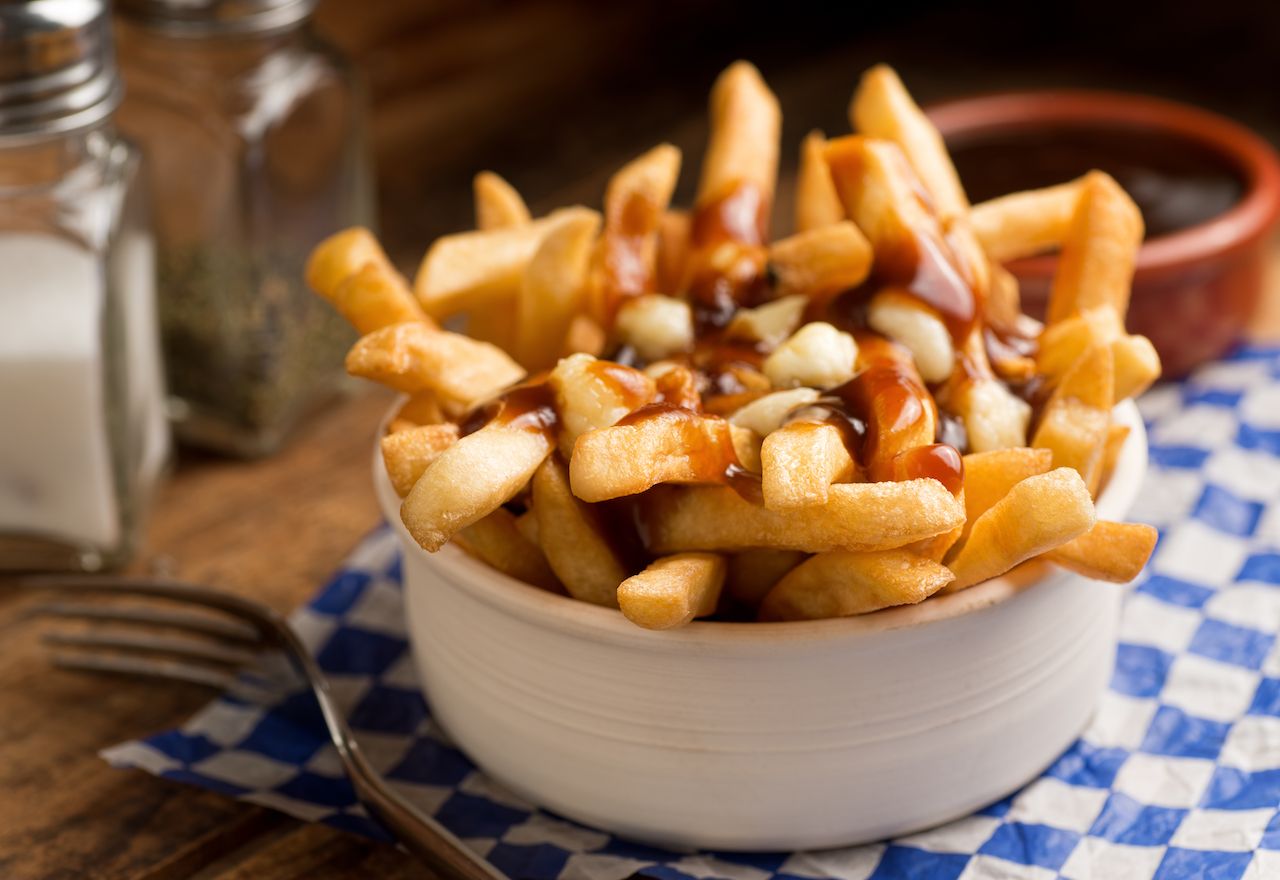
(656, 326)
(817, 355)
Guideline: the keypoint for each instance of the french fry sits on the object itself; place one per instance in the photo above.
(1073, 425)
(1099, 252)
(988, 476)
(817, 204)
(498, 204)
(496, 539)
(800, 461)
(574, 539)
(527, 523)
(469, 270)
(1111, 449)
(672, 258)
(407, 453)
(341, 255)
(993, 417)
(375, 296)
(820, 262)
(418, 409)
(1027, 223)
(584, 336)
(1037, 514)
(673, 590)
(553, 287)
(662, 445)
(746, 446)
(415, 357)
(882, 108)
(472, 478)
(842, 583)
(752, 573)
(634, 202)
(593, 394)
(1109, 551)
(902, 419)
(857, 516)
(1137, 365)
(745, 127)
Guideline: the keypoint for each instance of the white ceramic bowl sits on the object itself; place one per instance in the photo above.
(779, 736)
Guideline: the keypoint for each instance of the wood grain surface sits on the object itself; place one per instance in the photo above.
(274, 529)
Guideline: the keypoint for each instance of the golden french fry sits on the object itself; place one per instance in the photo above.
(745, 126)
(1036, 515)
(1111, 449)
(407, 453)
(584, 336)
(857, 516)
(574, 539)
(988, 476)
(663, 444)
(553, 287)
(1098, 255)
(841, 584)
(497, 540)
(527, 523)
(1137, 365)
(820, 262)
(752, 573)
(1063, 343)
(800, 461)
(469, 270)
(593, 394)
(673, 590)
(472, 478)
(1073, 425)
(883, 108)
(817, 204)
(498, 204)
(671, 260)
(634, 202)
(375, 296)
(1027, 223)
(900, 414)
(415, 357)
(341, 255)
(420, 409)
(746, 446)
(1109, 551)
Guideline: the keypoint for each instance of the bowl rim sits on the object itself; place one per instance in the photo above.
(1238, 227)
(560, 612)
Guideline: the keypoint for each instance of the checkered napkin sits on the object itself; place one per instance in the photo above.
(1178, 776)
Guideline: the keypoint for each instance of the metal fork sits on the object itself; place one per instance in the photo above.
(211, 655)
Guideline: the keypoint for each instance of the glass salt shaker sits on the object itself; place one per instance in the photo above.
(253, 131)
(84, 435)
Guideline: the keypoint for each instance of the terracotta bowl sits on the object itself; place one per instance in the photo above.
(1196, 287)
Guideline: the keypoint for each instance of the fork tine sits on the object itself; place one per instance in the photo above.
(191, 649)
(137, 666)
(148, 616)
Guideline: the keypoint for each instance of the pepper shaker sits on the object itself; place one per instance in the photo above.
(84, 437)
(254, 135)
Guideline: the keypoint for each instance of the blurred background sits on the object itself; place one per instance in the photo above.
(555, 94)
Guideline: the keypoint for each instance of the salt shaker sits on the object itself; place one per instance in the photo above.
(253, 131)
(84, 436)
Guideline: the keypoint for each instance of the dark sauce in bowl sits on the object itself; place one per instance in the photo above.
(1177, 183)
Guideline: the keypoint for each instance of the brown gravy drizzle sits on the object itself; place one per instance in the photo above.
(728, 258)
(530, 405)
(623, 256)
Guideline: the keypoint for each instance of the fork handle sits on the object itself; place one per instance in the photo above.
(433, 844)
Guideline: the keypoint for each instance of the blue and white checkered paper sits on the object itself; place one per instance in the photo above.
(1177, 776)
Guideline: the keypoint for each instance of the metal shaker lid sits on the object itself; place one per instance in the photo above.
(199, 18)
(57, 66)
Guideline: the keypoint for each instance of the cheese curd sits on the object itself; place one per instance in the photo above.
(656, 326)
(817, 355)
